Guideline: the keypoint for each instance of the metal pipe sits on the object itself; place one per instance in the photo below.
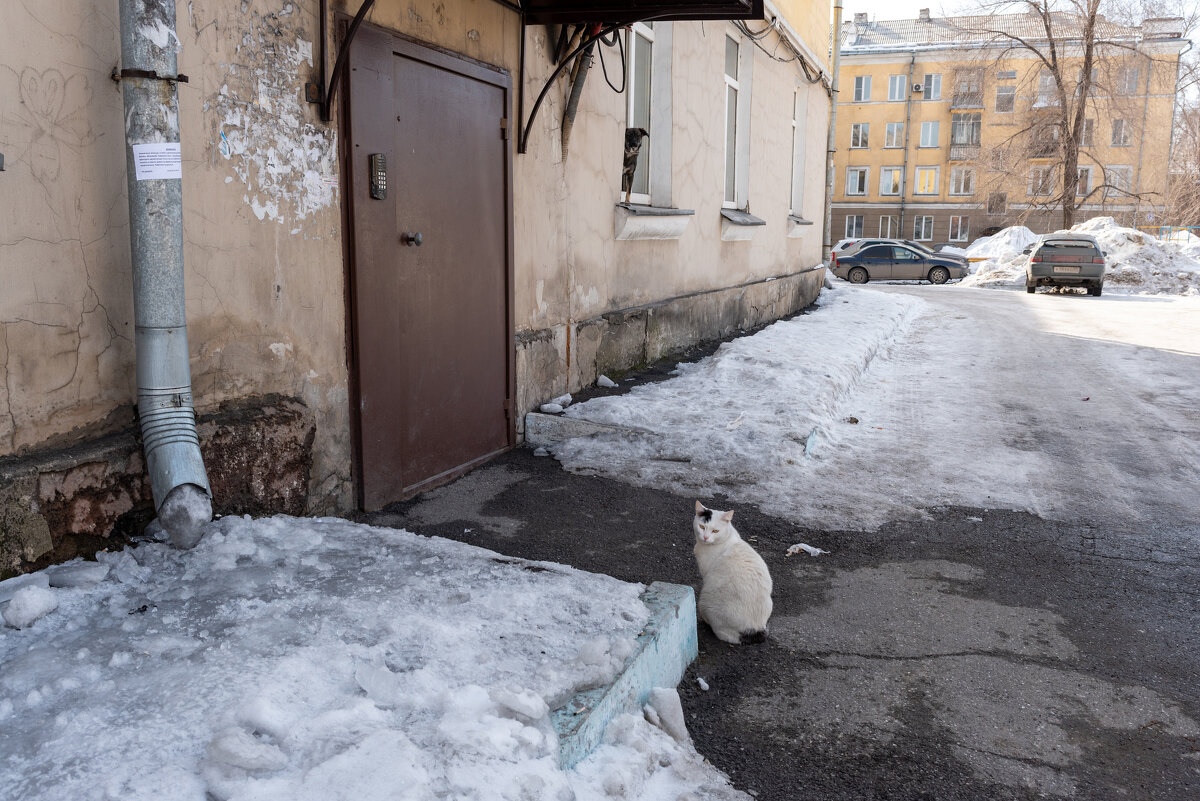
(182, 496)
(831, 146)
(907, 128)
(577, 81)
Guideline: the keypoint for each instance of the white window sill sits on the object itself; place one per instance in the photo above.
(635, 221)
(739, 226)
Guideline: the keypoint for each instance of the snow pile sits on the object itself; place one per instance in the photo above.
(288, 659)
(757, 407)
(1137, 261)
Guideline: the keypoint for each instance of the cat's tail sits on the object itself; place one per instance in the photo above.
(753, 637)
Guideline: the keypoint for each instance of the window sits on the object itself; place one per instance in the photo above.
(929, 133)
(927, 181)
(897, 87)
(799, 121)
(859, 134)
(737, 121)
(637, 109)
(1127, 81)
(894, 135)
(1086, 133)
(856, 180)
(1006, 75)
(854, 226)
(997, 203)
(889, 226)
(960, 229)
(962, 181)
(968, 81)
(923, 228)
(1047, 91)
(932, 89)
(1006, 99)
(1041, 180)
(1083, 184)
(862, 88)
(891, 180)
(1120, 180)
(964, 129)
(1043, 140)
(1120, 133)
(1079, 75)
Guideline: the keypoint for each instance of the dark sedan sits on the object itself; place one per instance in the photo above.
(896, 262)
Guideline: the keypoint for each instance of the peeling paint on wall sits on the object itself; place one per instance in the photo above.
(287, 165)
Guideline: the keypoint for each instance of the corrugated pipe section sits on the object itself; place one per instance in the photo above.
(182, 496)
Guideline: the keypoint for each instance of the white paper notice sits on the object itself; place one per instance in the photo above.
(157, 160)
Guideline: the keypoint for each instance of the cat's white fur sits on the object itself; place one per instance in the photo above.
(735, 598)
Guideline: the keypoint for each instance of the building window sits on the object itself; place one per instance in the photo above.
(889, 226)
(923, 227)
(859, 133)
(862, 88)
(856, 180)
(1047, 91)
(927, 180)
(929, 133)
(893, 135)
(960, 229)
(997, 203)
(1079, 75)
(1083, 184)
(637, 108)
(962, 181)
(1041, 180)
(1006, 75)
(968, 88)
(854, 226)
(891, 180)
(738, 65)
(1120, 133)
(1087, 132)
(931, 88)
(964, 128)
(1043, 140)
(1119, 179)
(1006, 99)
(897, 87)
(1127, 81)
(799, 122)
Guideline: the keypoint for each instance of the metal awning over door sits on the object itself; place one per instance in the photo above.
(549, 12)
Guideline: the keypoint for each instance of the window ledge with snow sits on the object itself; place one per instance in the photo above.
(636, 221)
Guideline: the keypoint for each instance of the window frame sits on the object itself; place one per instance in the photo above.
(893, 228)
(850, 234)
(862, 132)
(799, 152)
(884, 171)
(919, 228)
(1118, 190)
(897, 95)
(865, 181)
(931, 125)
(937, 179)
(646, 32)
(1043, 187)
(1083, 169)
(959, 122)
(862, 89)
(1121, 125)
(1087, 134)
(957, 174)
(1125, 87)
(893, 132)
(963, 224)
(991, 204)
(1009, 92)
(742, 85)
(931, 86)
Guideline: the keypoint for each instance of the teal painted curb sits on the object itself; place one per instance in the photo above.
(665, 648)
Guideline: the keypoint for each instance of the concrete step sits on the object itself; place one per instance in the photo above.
(665, 648)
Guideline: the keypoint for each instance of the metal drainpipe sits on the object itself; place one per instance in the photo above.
(1137, 201)
(831, 144)
(182, 496)
(904, 162)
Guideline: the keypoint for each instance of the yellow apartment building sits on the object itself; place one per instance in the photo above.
(945, 134)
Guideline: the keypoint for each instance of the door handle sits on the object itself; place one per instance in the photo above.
(410, 239)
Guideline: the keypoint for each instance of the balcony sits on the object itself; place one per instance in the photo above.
(964, 152)
(966, 100)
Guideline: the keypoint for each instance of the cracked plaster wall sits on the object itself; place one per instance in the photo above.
(263, 253)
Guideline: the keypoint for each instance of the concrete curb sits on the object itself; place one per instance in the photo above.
(666, 647)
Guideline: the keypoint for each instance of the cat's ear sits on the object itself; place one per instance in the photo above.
(699, 507)
(727, 516)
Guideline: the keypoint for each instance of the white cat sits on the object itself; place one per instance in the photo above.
(735, 598)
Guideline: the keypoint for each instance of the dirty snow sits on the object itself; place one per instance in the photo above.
(1137, 262)
(290, 659)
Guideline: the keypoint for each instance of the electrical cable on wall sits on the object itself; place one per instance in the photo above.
(796, 57)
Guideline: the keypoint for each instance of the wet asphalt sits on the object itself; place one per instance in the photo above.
(970, 655)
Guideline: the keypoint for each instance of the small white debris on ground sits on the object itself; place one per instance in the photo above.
(29, 605)
(551, 408)
(606, 382)
(703, 684)
(808, 549)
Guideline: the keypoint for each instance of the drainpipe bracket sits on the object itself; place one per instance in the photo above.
(118, 75)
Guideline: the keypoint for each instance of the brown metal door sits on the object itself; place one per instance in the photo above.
(431, 322)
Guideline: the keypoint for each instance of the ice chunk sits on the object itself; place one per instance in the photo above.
(669, 711)
(524, 704)
(606, 382)
(541, 452)
(184, 515)
(29, 605)
(240, 749)
(9, 587)
(80, 574)
(563, 400)
(703, 684)
(594, 651)
(551, 408)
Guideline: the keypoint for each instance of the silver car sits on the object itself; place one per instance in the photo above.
(1065, 260)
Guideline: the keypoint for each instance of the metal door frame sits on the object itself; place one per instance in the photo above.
(469, 68)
